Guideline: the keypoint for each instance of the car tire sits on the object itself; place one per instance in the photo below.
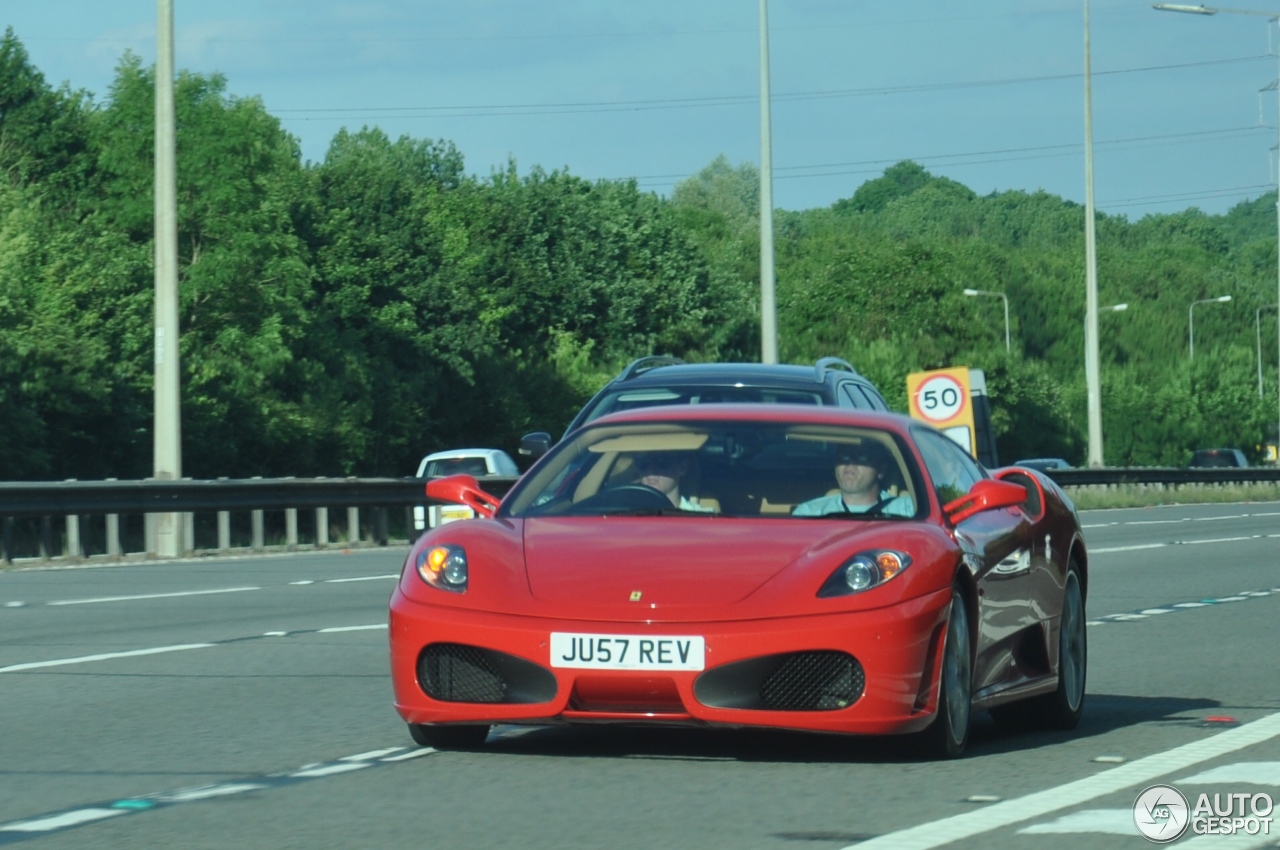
(1061, 709)
(448, 737)
(948, 735)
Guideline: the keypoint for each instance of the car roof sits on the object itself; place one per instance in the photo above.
(730, 373)
(800, 414)
(454, 454)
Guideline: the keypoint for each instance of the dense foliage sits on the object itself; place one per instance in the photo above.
(347, 316)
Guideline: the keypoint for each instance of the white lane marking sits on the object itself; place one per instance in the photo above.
(1216, 518)
(1111, 781)
(1110, 759)
(1155, 522)
(1156, 611)
(1245, 772)
(351, 629)
(60, 821)
(329, 770)
(1239, 841)
(1231, 599)
(412, 754)
(151, 596)
(1191, 604)
(106, 656)
(360, 578)
(14, 604)
(209, 792)
(302, 583)
(1128, 548)
(1217, 540)
(372, 754)
(1111, 821)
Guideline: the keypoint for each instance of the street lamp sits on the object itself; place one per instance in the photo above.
(1271, 17)
(1191, 319)
(1092, 374)
(768, 298)
(1002, 296)
(1257, 321)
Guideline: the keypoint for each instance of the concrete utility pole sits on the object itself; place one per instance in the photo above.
(1092, 372)
(167, 436)
(768, 301)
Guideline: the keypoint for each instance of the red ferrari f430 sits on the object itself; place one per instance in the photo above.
(774, 566)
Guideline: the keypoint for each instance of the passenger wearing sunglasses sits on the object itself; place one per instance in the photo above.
(860, 474)
(663, 471)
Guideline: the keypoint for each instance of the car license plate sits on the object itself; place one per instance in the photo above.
(448, 513)
(627, 652)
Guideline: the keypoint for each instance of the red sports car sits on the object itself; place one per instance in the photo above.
(731, 565)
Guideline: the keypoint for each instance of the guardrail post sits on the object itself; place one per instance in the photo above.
(258, 536)
(353, 526)
(291, 528)
(113, 533)
(224, 531)
(74, 551)
(6, 541)
(380, 526)
(46, 538)
(322, 527)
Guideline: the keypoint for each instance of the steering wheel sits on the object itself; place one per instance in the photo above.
(624, 496)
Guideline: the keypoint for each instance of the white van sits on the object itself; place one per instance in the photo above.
(478, 463)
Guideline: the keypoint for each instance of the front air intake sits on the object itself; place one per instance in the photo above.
(816, 680)
(455, 672)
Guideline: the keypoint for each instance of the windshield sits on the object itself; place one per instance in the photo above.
(723, 469)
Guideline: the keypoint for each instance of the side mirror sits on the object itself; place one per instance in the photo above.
(988, 494)
(535, 445)
(462, 490)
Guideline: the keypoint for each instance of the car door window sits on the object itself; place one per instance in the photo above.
(952, 471)
(847, 397)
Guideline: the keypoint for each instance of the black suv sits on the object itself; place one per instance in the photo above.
(1219, 458)
(658, 380)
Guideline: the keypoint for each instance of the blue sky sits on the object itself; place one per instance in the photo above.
(989, 94)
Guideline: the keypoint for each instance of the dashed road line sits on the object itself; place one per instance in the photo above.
(1176, 607)
(43, 825)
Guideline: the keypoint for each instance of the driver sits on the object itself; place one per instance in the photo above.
(860, 474)
(663, 472)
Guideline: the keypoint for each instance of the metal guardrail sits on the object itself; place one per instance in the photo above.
(1164, 475)
(73, 500)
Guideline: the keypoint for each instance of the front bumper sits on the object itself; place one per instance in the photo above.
(897, 650)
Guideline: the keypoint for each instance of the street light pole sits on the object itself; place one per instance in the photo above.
(1003, 297)
(768, 299)
(1092, 374)
(167, 436)
(1271, 17)
(1191, 319)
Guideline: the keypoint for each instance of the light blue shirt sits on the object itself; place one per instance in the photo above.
(835, 504)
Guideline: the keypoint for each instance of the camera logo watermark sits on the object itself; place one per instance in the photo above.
(1162, 814)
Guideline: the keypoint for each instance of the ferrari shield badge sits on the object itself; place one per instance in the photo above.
(635, 596)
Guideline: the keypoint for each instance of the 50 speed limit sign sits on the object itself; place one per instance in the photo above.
(940, 398)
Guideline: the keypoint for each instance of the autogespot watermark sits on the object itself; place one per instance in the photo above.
(1162, 814)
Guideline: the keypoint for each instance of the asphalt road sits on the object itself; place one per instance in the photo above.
(245, 703)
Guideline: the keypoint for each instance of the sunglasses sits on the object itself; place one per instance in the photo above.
(856, 460)
(662, 463)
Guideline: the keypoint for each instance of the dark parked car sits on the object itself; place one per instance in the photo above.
(1219, 458)
(658, 380)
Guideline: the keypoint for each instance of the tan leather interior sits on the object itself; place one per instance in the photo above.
(774, 508)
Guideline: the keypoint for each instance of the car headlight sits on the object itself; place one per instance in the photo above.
(443, 567)
(864, 571)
